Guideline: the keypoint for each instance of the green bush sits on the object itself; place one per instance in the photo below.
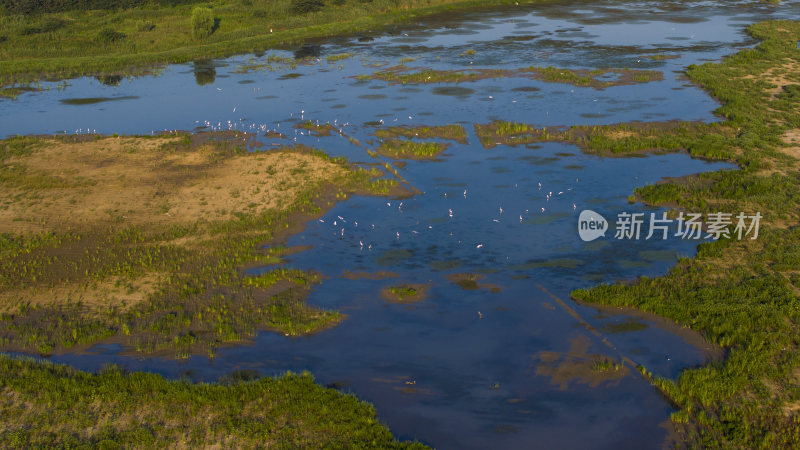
(202, 22)
(306, 6)
(108, 36)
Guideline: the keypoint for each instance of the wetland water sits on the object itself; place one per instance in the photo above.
(506, 364)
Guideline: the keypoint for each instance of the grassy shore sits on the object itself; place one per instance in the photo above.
(742, 295)
(75, 43)
(47, 405)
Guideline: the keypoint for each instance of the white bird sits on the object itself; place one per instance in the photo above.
(479, 246)
(451, 213)
(501, 210)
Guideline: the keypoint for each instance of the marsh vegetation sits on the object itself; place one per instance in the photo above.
(597, 78)
(172, 245)
(742, 295)
(60, 38)
(46, 405)
(149, 247)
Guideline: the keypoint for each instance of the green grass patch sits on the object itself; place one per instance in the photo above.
(50, 405)
(403, 149)
(451, 132)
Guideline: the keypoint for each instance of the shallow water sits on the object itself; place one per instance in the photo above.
(463, 368)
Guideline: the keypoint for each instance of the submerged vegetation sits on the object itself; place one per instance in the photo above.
(158, 264)
(471, 282)
(48, 405)
(743, 295)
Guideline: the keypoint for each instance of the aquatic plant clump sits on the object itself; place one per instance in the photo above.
(405, 293)
(403, 149)
(318, 129)
(451, 132)
(596, 79)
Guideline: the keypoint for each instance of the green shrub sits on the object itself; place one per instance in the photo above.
(202, 22)
(108, 36)
(143, 25)
(306, 6)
